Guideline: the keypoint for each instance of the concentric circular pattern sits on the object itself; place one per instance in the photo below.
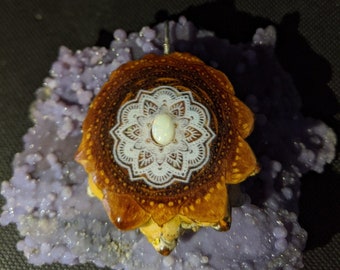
(201, 201)
(162, 136)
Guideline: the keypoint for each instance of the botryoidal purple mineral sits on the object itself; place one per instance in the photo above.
(46, 196)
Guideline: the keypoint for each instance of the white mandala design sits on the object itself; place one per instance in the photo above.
(160, 165)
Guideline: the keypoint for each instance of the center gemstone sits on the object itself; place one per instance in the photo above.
(162, 136)
(163, 129)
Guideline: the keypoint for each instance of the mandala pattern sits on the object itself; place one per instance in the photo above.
(157, 164)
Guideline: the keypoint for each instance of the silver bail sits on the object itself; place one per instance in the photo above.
(166, 44)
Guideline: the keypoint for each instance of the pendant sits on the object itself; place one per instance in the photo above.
(162, 141)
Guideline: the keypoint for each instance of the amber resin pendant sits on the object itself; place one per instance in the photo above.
(161, 142)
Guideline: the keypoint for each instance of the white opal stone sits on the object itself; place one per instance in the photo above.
(163, 129)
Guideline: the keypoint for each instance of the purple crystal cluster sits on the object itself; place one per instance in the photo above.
(58, 222)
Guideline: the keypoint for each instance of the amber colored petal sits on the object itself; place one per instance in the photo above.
(84, 157)
(243, 165)
(124, 211)
(93, 189)
(161, 213)
(184, 56)
(223, 80)
(210, 209)
(244, 121)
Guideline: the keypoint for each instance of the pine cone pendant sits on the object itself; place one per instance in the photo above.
(161, 142)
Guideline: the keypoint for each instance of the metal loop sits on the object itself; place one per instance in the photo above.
(166, 44)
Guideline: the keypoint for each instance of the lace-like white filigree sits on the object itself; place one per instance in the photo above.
(160, 165)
